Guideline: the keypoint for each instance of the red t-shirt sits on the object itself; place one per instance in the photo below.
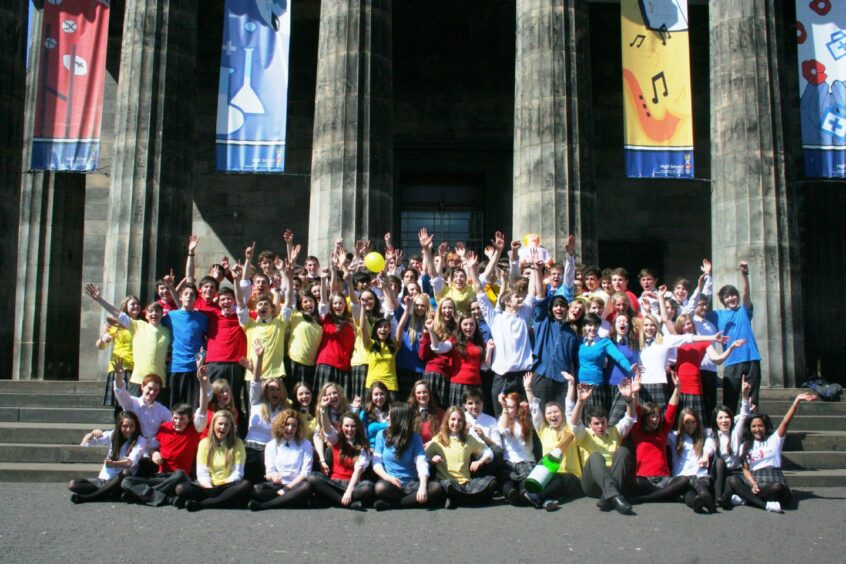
(177, 449)
(167, 306)
(209, 415)
(341, 471)
(469, 366)
(226, 340)
(443, 364)
(651, 448)
(427, 429)
(688, 359)
(336, 346)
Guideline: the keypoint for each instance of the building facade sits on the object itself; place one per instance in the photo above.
(464, 116)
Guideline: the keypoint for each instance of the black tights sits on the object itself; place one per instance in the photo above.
(325, 488)
(269, 498)
(87, 491)
(514, 485)
(702, 490)
(397, 497)
(219, 496)
(770, 492)
(647, 492)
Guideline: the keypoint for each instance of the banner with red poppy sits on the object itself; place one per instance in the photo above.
(821, 35)
(71, 77)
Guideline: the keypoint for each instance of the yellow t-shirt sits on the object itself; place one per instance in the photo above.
(572, 463)
(359, 355)
(304, 340)
(606, 446)
(462, 298)
(457, 458)
(121, 348)
(149, 349)
(272, 334)
(382, 367)
(219, 469)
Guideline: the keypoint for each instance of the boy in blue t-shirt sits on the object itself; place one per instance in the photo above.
(735, 322)
(188, 328)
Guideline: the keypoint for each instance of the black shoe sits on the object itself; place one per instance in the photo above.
(254, 505)
(178, 502)
(513, 497)
(381, 505)
(698, 504)
(193, 505)
(532, 499)
(708, 502)
(126, 498)
(725, 504)
(604, 504)
(357, 506)
(621, 505)
(75, 499)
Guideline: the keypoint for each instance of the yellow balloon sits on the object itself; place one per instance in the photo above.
(374, 262)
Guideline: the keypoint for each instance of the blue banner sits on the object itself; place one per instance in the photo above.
(821, 38)
(252, 96)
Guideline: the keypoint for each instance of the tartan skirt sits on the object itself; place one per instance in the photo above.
(109, 393)
(302, 373)
(456, 394)
(769, 475)
(471, 487)
(438, 386)
(695, 403)
(325, 373)
(358, 376)
(618, 408)
(656, 393)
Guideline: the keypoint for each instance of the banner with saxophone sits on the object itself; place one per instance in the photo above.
(71, 78)
(821, 35)
(252, 96)
(656, 89)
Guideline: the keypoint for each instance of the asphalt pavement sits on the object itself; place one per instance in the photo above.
(38, 523)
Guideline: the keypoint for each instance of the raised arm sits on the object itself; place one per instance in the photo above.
(744, 275)
(193, 241)
(365, 328)
(93, 292)
(788, 417)
(471, 268)
(719, 358)
(426, 249)
(493, 258)
(408, 303)
(388, 292)
(583, 393)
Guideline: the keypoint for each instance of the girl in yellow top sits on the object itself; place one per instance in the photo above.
(551, 426)
(381, 352)
(220, 469)
(456, 456)
(121, 340)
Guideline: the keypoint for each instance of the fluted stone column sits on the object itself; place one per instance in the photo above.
(352, 154)
(553, 191)
(753, 204)
(151, 181)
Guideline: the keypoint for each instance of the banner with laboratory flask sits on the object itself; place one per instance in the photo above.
(821, 38)
(658, 126)
(252, 96)
(71, 77)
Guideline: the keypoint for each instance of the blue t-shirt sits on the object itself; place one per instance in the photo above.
(407, 357)
(615, 372)
(592, 361)
(188, 330)
(402, 466)
(372, 427)
(737, 324)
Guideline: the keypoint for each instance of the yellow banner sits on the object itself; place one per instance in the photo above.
(656, 89)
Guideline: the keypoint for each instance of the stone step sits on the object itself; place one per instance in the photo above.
(52, 386)
(815, 423)
(87, 415)
(772, 408)
(44, 433)
(814, 459)
(801, 479)
(783, 394)
(48, 453)
(815, 441)
(8, 399)
(46, 472)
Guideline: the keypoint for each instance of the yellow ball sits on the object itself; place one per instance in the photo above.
(374, 262)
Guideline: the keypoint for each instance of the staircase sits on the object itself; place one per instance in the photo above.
(41, 424)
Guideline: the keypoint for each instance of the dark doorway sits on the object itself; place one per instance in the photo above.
(634, 255)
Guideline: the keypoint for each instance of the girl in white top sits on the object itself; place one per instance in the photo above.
(727, 432)
(288, 458)
(126, 447)
(692, 451)
(764, 485)
(515, 431)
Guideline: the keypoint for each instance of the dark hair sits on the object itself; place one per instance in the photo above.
(360, 278)
(209, 280)
(726, 291)
(472, 393)
(431, 414)
(647, 272)
(350, 451)
(683, 282)
(375, 343)
(647, 410)
(369, 406)
(558, 300)
(592, 269)
(748, 439)
(621, 272)
(264, 297)
(400, 427)
(226, 291)
(414, 272)
(714, 427)
(118, 439)
(461, 339)
(596, 411)
(314, 258)
(295, 403)
(189, 286)
(591, 319)
(182, 409)
(266, 255)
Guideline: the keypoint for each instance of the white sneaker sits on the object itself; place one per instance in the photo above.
(774, 506)
(737, 500)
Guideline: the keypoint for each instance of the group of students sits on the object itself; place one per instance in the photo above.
(433, 384)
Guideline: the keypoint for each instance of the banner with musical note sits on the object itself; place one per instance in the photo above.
(252, 95)
(71, 77)
(656, 89)
(821, 38)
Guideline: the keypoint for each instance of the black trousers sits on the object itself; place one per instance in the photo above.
(155, 490)
(183, 388)
(547, 389)
(505, 384)
(227, 495)
(733, 378)
(233, 373)
(709, 394)
(333, 490)
(604, 482)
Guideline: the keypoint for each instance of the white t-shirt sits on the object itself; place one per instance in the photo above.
(766, 454)
(686, 463)
(654, 358)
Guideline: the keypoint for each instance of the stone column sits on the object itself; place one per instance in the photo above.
(352, 154)
(754, 208)
(553, 185)
(151, 188)
(13, 22)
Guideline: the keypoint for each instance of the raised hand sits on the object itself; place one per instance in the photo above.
(246, 363)
(489, 252)
(744, 268)
(745, 387)
(356, 402)
(470, 259)
(248, 252)
(258, 348)
(706, 266)
(288, 236)
(583, 392)
(224, 262)
(429, 324)
(203, 374)
(527, 382)
(193, 241)
(424, 238)
(92, 291)
(662, 290)
(499, 240)
(571, 245)
(490, 345)
(443, 248)
(278, 264)
(636, 385)
(569, 377)
(807, 396)
(625, 388)
(459, 249)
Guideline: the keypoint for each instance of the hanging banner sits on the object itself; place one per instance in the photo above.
(656, 89)
(821, 35)
(252, 96)
(71, 75)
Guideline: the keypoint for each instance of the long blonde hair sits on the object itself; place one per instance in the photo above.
(415, 321)
(266, 408)
(441, 327)
(229, 441)
(659, 337)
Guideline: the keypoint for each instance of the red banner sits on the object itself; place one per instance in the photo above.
(71, 75)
